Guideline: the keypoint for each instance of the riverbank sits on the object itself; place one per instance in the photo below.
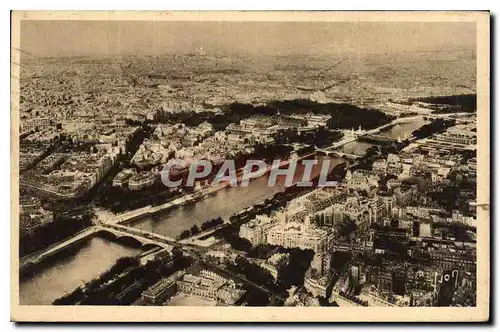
(223, 203)
(106, 216)
(124, 282)
(64, 275)
(394, 130)
(67, 270)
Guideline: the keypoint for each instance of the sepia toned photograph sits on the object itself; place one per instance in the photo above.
(250, 166)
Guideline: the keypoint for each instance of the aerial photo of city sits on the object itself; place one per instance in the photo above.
(389, 108)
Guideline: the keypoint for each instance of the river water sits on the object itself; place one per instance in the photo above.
(223, 203)
(404, 128)
(397, 131)
(61, 276)
(97, 254)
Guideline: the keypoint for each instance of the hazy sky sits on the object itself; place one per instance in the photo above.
(67, 38)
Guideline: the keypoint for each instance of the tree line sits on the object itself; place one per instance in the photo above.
(204, 227)
(125, 281)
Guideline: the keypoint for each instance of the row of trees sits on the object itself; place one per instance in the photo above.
(294, 272)
(124, 282)
(448, 104)
(230, 235)
(435, 127)
(252, 272)
(345, 227)
(78, 294)
(291, 274)
(204, 227)
(262, 251)
(378, 151)
(343, 115)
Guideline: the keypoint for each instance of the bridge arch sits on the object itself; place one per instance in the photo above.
(330, 153)
(149, 246)
(108, 235)
(130, 241)
(123, 239)
(337, 154)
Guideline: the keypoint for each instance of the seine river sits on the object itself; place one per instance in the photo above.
(404, 128)
(223, 203)
(97, 254)
(62, 276)
(399, 130)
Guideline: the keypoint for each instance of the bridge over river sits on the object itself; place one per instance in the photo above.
(340, 154)
(371, 135)
(120, 231)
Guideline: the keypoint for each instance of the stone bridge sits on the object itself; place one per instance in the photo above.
(340, 154)
(120, 232)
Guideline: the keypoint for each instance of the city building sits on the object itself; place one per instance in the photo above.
(359, 180)
(300, 235)
(209, 285)
(460, 134)
(257, 229)
(316, 284)
(121, 179)
(142, 180)
(162, 290)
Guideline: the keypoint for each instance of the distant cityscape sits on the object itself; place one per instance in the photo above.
(98, 226)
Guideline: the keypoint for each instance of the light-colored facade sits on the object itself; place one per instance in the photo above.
(458, 135)
(162, 290)
(211, 286)
(300, 235)
(256, 230)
